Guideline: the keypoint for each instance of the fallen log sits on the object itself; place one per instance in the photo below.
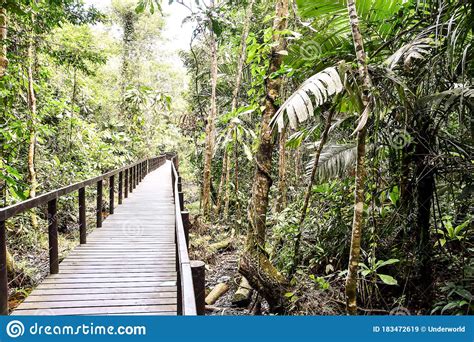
(243, 294)
(217, 292)
(219, 246)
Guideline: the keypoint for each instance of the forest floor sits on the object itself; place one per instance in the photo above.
(221, 264)
(222, 267)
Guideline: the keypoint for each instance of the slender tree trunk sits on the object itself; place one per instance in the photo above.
(234, 104)
(358, 219)
(282, 189)
(298, 165)
(227, 187)
(236, 182)
(3, 70)
(221, 190)
(3, 42)
(242, 55)
(210, 129)
(307, 197)
(254, 263)
(32, 128)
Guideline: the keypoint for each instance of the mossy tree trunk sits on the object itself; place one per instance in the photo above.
(254, 263)
(32, 176)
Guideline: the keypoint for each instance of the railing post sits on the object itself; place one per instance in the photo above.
(120, 188)
(131, 180)
(99, 203)
(198, 270)
(134, 177)
(82, 216)
(126, 184)
(181, 200)
(3, 270)
(111, 194)
(53, 237)
(180, 186)
(186, 225)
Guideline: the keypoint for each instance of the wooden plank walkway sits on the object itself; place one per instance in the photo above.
(127, 267)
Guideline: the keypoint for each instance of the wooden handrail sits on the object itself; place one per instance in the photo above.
(186, 296)
(132, 174)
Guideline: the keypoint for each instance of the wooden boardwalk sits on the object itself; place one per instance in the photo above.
(127, 267)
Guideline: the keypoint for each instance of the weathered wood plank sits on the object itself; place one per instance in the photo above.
(99, 296)
(127, 267)
(96, 303)
(98, 310)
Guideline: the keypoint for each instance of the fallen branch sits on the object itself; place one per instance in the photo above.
(243, 294)
(219, 246)
(218, 291)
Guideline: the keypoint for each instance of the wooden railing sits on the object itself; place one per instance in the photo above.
(186, 296)
(128, 178)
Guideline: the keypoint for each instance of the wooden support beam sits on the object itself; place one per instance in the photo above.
(111, 194)
(53, 237)
(120, 188)
(186, 225)
(198, 270)
(3, 270)
(82, 216)
(99, 203)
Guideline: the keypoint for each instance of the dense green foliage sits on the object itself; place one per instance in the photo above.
(105, 99)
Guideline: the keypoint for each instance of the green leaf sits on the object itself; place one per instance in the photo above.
(382, 263)
(449, 306)
(386, 279)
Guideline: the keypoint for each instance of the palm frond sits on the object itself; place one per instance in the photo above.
(335, 160)
(299, 107)
(416, 49)
(447, 98)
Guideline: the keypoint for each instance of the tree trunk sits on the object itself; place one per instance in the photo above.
(210, 128)
(254, 263)
(3, 70)
(32, 128)
(282, 190)
(227, 187)
(3, 42)
(236, 182)
(425, 186)
(307, 197)
(235, 99)
(358, 218)
(242, 55)
(222, 183)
